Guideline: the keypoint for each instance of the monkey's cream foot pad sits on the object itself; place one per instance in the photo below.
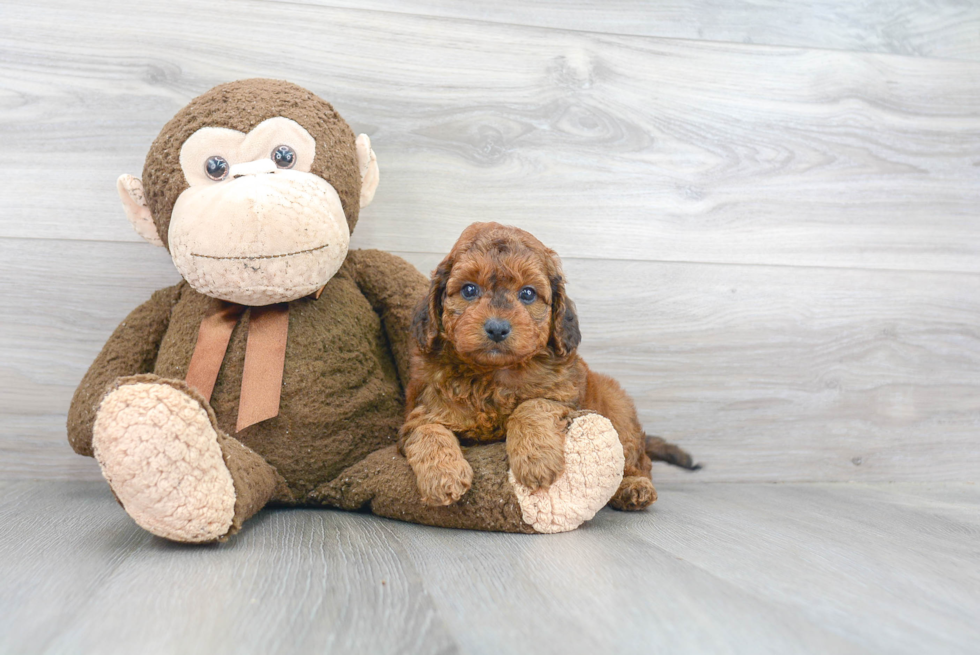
(593, 471)
(160, 454)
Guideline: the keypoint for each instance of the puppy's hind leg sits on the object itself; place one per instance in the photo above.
(637, 491)
(634, 493)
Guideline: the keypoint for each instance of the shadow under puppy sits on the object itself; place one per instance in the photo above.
(496, 360)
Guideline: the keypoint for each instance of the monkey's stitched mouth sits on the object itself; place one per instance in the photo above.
(253, 257)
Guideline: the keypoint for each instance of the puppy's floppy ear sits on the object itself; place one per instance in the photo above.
(427, 322)
(565, 335)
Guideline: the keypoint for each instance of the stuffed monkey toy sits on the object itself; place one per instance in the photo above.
(274, 372)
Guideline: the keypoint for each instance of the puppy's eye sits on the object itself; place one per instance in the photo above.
(469, 291)
(216, 168)
(284, 156)
(527, 295)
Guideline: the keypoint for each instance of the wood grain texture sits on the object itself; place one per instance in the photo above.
(819, 374)
(872, 563)
(947, 28)
(605, 146)
(57, 545)
(79, 576)
(746, 568)
(851, 561)
(764, 373)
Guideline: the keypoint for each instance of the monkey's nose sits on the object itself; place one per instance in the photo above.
(497, 329)
(256, 167)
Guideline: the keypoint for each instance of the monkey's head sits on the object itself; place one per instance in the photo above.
(254, 188)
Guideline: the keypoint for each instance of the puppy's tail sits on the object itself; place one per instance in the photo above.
(660, 450)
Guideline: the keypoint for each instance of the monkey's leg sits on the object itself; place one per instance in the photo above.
(174, 472)
(384, 484)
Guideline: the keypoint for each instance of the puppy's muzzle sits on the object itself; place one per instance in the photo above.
(497, 329)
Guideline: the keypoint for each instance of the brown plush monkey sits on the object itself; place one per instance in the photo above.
(274, 372)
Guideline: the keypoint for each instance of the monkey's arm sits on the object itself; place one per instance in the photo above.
(393, 287)
(131, 350)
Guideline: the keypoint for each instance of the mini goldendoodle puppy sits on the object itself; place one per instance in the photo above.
(496, 359)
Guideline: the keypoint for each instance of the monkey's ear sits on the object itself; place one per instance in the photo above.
(134, 204)
(367, 163)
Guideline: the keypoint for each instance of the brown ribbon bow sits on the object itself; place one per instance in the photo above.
(265, 354)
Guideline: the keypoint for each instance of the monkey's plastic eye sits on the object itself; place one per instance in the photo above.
(284, 156)
(217, 168)
(527, 295)
(469, 291)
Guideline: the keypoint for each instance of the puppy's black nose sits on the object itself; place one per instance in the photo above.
(497, 329)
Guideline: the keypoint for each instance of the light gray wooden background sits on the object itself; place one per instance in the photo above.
(775, 248)
(768, 213)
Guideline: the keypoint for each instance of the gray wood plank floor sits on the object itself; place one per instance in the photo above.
(711, 568)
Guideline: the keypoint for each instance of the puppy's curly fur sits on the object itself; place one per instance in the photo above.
(496, 359)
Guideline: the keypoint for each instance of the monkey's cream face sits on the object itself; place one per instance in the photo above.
(256, 227)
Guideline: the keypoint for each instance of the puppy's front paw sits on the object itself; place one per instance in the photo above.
(445, 482)
(538, 469)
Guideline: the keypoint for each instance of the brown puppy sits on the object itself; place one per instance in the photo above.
(496, 359)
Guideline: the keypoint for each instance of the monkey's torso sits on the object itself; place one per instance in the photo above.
(341, 398)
